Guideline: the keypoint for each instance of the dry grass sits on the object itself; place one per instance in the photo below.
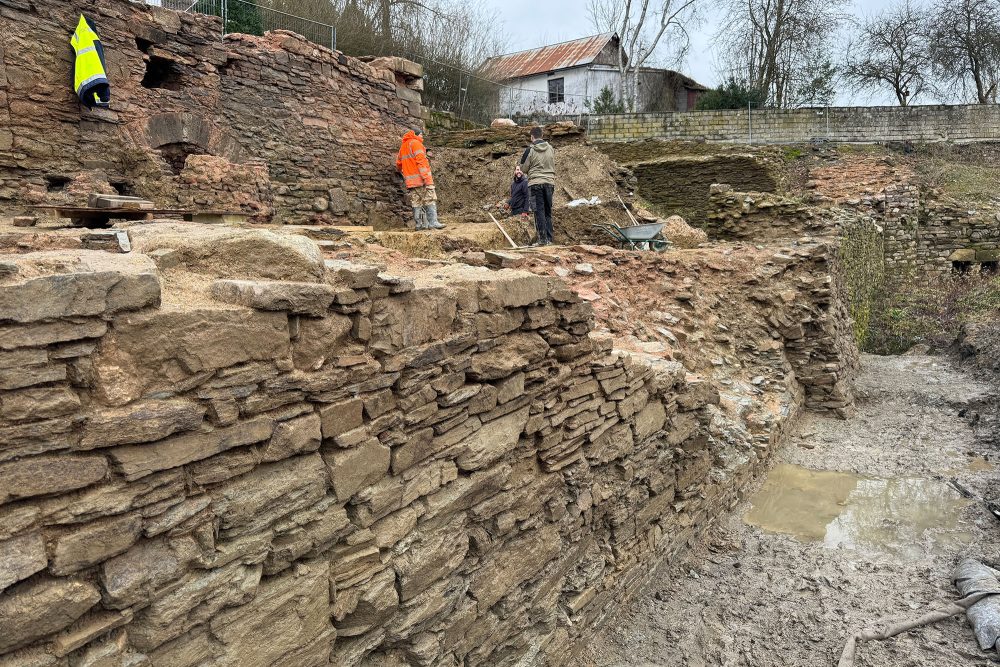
(436, 245)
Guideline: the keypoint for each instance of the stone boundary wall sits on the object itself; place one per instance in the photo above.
(299, 132)
(973, 122)
(210, 460)
(923, 238)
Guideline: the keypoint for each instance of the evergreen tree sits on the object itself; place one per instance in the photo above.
(731, 95)
(605, 103)
(244, 16)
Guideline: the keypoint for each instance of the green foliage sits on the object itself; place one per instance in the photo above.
(731, 95)
(244, 17)
(930, 311)
(815, 86)
(605, 103)
(793, 153)
(862, 258)
(982, 300)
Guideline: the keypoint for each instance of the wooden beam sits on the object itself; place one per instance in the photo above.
(502, 230)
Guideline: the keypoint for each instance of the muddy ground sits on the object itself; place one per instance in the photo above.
(750, 597)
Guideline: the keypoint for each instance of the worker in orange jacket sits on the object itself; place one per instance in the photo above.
(412, 163)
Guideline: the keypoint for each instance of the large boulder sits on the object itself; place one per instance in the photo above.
(226, 252)
(74, 283)
(156, 350)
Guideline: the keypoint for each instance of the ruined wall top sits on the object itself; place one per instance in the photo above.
(297, 129)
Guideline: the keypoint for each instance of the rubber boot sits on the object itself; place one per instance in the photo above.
(431, 211)
(418, 218)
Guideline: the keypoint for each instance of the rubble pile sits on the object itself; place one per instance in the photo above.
(212, 459)
(853, 181)
(681, 234)
(472, 181)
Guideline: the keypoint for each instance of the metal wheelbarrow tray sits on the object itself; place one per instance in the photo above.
(640, 237)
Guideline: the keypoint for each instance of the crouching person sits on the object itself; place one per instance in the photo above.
(520, 197)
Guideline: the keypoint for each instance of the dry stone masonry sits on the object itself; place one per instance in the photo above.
(206, 459)
(930, 236)
(272, 125)
(972, 122)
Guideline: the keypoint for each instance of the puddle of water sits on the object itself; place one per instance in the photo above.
(906, 517)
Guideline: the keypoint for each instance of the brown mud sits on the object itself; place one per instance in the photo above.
(764, 597)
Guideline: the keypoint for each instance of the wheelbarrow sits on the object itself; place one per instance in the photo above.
(640, 237)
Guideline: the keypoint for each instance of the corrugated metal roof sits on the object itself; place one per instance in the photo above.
(547, 58)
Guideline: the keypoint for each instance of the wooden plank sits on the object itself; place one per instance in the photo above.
(322, 228)
(502, 230)
(97, 200)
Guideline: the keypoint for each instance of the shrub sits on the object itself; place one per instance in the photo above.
(731, 95)
(605, 103)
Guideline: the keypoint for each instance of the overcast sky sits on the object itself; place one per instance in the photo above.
(532, 23)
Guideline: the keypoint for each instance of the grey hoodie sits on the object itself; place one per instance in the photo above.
(539, 164)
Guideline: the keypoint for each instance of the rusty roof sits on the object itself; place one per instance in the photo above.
(547, 58)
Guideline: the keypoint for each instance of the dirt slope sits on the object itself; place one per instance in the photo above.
(471, 181)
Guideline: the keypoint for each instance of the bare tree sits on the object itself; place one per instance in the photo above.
(965, 47)
(892, 50)
(641, 26)
(763, 43)
(450, 38)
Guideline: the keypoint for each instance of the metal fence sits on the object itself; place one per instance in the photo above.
(254, 18)
(448, 88)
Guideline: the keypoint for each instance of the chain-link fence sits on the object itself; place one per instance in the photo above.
(255, 18)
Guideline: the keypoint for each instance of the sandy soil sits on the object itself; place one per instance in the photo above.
(746, 597)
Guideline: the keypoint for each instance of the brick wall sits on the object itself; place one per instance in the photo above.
(326, 126)
(840, 124)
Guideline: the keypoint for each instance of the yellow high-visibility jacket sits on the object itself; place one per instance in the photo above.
(91, 80)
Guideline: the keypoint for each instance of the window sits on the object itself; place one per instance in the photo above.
(556, 91)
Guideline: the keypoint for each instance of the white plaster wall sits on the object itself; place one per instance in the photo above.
(531, 94)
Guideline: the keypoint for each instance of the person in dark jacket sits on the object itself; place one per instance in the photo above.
(539, 164)
(520, 201)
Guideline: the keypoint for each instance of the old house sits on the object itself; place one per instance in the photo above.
(562, 78)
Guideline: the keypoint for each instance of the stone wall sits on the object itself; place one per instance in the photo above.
(922, 237)
(756, 217)
(926, 236)
(326, 126)
(975, 122)
(681, 185)
(210, 459)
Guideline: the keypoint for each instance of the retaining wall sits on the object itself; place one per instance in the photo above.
(208, 459)
(974, 122)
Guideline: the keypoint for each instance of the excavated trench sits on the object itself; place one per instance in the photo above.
(856, 522)
(680, 185)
